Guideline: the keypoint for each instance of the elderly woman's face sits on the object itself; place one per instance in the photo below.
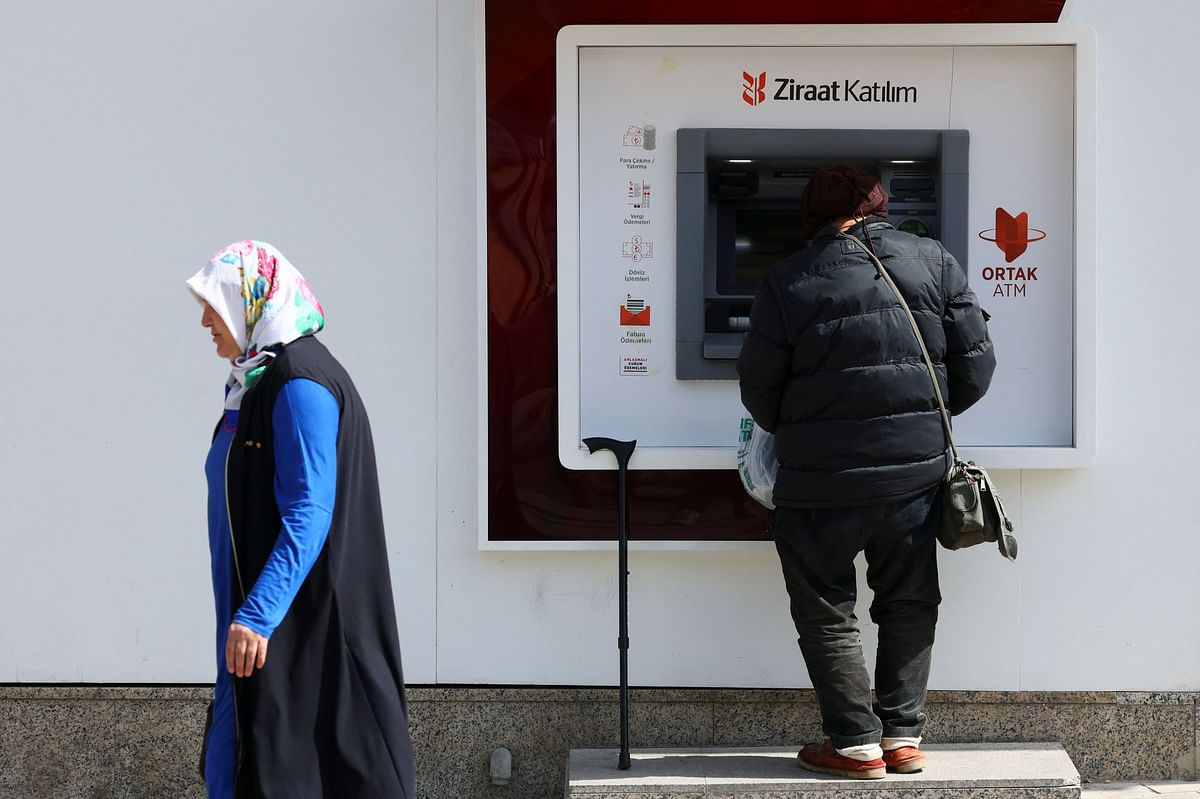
(227, 346)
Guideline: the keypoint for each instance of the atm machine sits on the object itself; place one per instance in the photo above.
(738, 212)
(654, 298)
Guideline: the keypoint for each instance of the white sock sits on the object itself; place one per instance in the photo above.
(895, 743)
(863, 753)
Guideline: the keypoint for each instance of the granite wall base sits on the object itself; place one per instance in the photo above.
(143, 743)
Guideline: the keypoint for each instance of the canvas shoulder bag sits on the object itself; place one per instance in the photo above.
(972, 511)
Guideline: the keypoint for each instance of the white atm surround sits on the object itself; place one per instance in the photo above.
(950, 60)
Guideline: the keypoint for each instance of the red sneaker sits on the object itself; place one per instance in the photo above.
(905, 760)
(824, 759)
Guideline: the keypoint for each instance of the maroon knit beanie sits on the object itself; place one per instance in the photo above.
(838, 192)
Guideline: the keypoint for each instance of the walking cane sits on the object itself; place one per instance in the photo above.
(623, 450)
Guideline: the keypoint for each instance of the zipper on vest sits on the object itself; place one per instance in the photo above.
(229, 519)
(237, 722)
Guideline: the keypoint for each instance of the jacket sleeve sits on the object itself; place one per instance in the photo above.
(970, 358)
(305, 423)
(763, 364)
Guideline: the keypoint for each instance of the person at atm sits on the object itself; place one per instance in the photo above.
(831, 366)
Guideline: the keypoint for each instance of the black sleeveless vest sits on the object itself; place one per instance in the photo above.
(327, 715)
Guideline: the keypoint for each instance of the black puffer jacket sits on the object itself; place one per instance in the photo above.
(831, 366)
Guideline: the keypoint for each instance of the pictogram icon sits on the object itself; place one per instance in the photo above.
(634, 313)
(637, 249)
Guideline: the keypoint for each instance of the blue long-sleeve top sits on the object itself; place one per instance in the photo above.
(305, 421)
(305, 425)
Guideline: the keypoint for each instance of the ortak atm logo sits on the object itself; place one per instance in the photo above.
(1012, 234)
(754, 88)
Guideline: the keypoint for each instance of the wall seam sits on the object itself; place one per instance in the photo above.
(437, 353)
(1020, 591)
(950, 104)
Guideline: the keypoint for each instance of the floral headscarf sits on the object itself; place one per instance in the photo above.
(263, 300)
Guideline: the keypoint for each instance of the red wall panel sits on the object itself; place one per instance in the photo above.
(531, 496)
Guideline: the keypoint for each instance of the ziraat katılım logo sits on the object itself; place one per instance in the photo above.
(754, 88)
(1011, 234)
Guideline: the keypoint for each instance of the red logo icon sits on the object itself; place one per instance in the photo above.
(634, 313)
(1011, 234)
(754, 88)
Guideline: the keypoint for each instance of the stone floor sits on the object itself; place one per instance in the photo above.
(955, 771)
(1143, 790)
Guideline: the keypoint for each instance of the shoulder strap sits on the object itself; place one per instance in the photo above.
(937, 387)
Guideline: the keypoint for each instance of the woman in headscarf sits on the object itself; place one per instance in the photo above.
(309, 698)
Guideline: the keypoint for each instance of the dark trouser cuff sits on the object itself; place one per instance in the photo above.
(843, 742)
(903, 732)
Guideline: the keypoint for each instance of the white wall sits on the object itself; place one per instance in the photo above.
(137, 138)
(1111, 577)
(140, 137)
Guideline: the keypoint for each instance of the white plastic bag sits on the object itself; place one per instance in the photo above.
(756, 462)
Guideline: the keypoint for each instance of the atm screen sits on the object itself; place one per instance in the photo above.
(752, 236)
(758, 213)
(762, 238)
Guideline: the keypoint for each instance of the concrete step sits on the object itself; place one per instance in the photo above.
(953, 771)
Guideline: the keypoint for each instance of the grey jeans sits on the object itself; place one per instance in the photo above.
(817, 548)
